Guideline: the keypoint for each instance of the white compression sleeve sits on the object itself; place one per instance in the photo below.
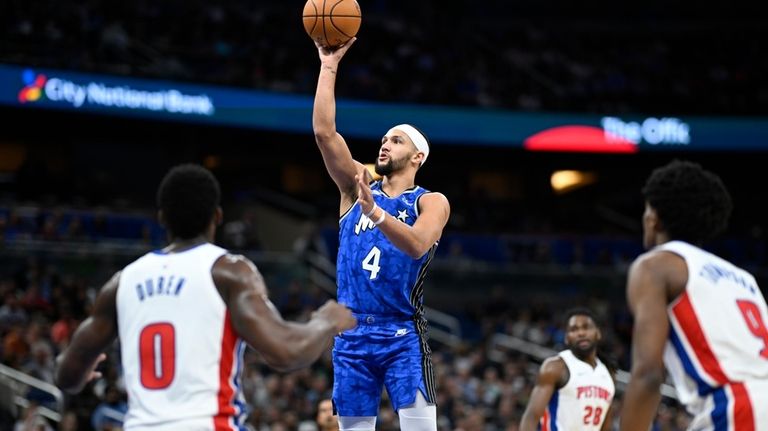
(357, 423)
(421, 416)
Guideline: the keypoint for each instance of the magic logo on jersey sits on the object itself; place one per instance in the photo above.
(363, 224)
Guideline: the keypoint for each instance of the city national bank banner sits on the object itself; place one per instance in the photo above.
(74, 91)
(36, 88)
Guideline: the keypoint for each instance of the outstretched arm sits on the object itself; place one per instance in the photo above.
(415, 240)
(552, 375)
(647, 297)
(285, 346)
(77, 363)
(338, 160)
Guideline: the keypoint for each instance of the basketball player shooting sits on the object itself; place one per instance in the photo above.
(698, 314)
(389, 230)
(574, 389)
(183, 315)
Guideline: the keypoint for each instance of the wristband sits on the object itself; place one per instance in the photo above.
(381, 219)
(370, 213)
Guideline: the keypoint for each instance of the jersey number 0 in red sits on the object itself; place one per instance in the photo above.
(157, 355)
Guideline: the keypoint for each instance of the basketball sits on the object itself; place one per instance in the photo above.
(331, 22)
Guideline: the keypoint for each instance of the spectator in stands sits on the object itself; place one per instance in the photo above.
(40, 362)
(527, 66)
(31, 420)
(11, 312)
(68, 422)
(326, 420)
(109, 414)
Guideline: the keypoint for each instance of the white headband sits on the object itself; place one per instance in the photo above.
(416, 137)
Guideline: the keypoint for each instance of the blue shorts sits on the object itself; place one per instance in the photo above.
(378, 353)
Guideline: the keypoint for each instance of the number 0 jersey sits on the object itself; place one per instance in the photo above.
(582, 404)
(181, 356)
(374, 276)
(717, 351)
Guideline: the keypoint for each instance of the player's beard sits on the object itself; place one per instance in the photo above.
(583, 352)
(390, 166)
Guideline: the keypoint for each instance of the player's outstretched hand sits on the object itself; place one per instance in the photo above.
(333, 55)
(364, 194)
(339, 315)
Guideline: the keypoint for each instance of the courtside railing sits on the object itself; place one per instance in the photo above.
(19, 384)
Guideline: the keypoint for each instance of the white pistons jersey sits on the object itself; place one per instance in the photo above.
(717, 352)
(584, 401)
(181, 356)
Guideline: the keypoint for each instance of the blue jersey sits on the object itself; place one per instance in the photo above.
(374, 276)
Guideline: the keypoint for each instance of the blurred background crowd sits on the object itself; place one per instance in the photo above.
(77, 190)
(482, 385)
(554, 56)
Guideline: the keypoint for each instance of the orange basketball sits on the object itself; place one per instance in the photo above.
(331, 22)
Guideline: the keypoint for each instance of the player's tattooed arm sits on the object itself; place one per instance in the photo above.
(336, 155)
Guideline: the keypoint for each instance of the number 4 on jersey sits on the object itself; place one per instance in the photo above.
(371, 262)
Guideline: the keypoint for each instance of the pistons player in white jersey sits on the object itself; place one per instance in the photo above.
(574, 390)
(183, 315)
(701, 316)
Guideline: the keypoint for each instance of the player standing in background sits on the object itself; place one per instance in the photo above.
(389, 231)
(699, 315)
(183, 315)
(574, 390)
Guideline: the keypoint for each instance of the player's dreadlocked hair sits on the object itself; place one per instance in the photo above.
(692, 203)
(188, 196)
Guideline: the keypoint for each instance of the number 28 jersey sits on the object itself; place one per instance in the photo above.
(583, 403)
(373, 275)
(181, 356)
